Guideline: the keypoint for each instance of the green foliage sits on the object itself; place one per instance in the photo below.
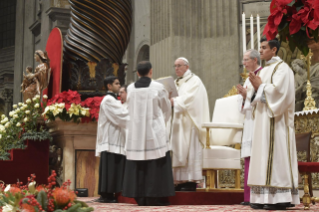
(37, 136)
(74, 208)
(42, 199)
(24, 123)
(88, 209)
(83, 204)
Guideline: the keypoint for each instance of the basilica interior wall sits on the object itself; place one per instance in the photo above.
(206, 33)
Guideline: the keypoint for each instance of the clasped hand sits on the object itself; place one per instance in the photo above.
(255, 80)
(241, 90)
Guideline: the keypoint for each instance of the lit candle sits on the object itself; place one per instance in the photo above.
(258, 31)
(244, 32)
(251, 32)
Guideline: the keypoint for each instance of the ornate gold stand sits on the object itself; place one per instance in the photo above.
(306, 198)
(310, 103)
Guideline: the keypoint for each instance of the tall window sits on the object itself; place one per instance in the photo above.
(7, 22)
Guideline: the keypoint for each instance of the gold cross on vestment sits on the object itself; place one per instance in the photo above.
(307, 59)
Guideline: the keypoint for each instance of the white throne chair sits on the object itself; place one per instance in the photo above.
(224, 130)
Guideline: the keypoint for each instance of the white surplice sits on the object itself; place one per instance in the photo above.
(149, 109)
(246, 108)
(113, 117)
(273, 175)
(187, 136)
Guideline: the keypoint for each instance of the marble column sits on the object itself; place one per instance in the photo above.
(24, 43)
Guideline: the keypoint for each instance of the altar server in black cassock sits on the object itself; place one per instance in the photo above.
(110, 142)
(148, 171)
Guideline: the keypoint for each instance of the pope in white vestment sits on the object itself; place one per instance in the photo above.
(273, 175)
(187, 136)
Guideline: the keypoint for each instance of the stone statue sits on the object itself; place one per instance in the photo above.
(34, 83)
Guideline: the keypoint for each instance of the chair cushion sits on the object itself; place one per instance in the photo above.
(308, 166)
(221, 152)
(221, 157)
(214, 163)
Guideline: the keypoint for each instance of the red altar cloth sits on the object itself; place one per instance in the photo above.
(34, 159)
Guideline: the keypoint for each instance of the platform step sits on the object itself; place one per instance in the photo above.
(198, 198)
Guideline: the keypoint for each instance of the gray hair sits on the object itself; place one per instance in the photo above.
(254, 54)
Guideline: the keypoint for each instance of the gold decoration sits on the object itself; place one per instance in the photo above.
(232, 91)
(92, 66)
(244, 75)
(310, 103)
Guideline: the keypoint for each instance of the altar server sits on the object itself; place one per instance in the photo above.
(251, 61)
(123, 94)
(190, 111)
(273, 175)
(148, 171)
(110, 142)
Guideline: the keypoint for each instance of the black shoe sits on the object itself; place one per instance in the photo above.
(189, 186)
(271, 207)
(154, 201)
(178, 187)
(245, 203)
(105, 200)
(256, 206)
(164, 201)
(141, 201)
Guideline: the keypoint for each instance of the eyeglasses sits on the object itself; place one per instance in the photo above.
(178, 66)
(245, 60)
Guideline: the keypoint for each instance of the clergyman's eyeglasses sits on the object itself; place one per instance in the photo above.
(178, 66)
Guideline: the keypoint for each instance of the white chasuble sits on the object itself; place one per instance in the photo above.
(149, 110)
(111, 126)
(273, 175)
(188, 137)
(246, 108)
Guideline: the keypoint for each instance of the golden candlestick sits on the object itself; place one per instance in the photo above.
(310, 103)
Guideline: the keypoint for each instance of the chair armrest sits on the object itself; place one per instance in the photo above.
(222, 125)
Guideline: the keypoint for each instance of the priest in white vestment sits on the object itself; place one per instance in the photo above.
(187, 137)
(110, 142)
(123, 94)
(148, 172)
(273, 175)
(251, 61)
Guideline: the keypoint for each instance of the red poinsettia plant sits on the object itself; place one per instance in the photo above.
(68, 106)
(294, 20)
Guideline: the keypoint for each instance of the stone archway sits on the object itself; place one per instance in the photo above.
(143, 55)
